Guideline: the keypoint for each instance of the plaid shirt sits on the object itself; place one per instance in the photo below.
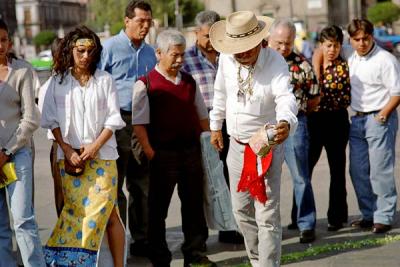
(203, 71)
(305, 84)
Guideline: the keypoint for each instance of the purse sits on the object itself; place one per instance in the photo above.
(74, 170)
(10, 174)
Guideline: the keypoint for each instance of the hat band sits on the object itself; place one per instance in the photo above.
(243, 34)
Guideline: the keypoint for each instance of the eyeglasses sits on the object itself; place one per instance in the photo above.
(142, 21)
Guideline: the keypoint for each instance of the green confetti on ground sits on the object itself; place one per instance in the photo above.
(336, 247)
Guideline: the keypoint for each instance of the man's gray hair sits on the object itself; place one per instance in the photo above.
(285, 22)
(206, 17)
(169, 37)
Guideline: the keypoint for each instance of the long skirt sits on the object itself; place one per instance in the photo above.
(88, 202)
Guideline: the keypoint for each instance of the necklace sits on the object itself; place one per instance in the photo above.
(246, 84)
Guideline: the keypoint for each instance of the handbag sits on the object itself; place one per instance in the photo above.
(74, 170)
(10, 174)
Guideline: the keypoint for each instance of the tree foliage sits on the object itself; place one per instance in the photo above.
(112, 12)
(383, 12)
(104, 12)
(44, 38)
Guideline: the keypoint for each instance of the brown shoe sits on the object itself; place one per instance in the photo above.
(380, 228)
(363, 224)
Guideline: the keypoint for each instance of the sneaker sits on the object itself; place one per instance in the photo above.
(201, 261)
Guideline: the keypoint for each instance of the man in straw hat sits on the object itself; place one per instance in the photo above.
(253, 91)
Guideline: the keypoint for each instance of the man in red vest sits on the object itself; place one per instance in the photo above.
(168, 116)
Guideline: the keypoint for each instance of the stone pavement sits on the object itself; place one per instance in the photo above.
(231, 255)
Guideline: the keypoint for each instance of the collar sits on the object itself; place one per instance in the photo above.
(369, 54)
(177, 78)
(125, 37)
(197, 51)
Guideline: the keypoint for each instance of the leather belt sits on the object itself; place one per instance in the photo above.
(240, 143)
(359, 113)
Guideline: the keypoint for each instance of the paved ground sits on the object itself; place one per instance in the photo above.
(229, 255)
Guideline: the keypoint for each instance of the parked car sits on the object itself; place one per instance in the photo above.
(387, 45)
(43, 61)
(384, 36)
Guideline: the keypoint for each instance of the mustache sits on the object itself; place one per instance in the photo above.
(176, 65)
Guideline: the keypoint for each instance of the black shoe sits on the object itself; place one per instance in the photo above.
(231, 237)
(334, 227)
(307, 236)
(293, 226)
(202, 261)
(363, 224)
(139, 249)
(380, 228)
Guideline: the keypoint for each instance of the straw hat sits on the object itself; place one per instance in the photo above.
(241, 31)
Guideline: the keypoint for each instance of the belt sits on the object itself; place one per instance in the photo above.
(124, 112)
(359, 113)
(240, 143)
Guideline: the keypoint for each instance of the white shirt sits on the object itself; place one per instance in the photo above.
(374, 78)
(272, 98)
(82, 113)
(140, 101)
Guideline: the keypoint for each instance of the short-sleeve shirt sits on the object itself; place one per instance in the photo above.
(335, 86)
(305, 84)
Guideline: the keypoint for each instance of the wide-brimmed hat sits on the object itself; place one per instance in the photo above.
(241, 31)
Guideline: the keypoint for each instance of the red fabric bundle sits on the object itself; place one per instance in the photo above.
(250, 180)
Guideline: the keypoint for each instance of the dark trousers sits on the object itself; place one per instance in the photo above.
(330, 130)
(168, 168)
(137, 183)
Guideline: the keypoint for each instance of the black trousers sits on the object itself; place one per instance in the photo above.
(330, 130)
(137, 183)
(168, 168)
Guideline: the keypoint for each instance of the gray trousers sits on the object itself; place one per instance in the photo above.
(260, 224)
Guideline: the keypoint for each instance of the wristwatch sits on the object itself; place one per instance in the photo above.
(6, 152)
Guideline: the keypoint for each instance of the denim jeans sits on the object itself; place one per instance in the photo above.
(259, 223)
(372, 159)
(296, 158)
(26, 229)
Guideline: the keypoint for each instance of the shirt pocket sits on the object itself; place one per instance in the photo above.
(254, 105)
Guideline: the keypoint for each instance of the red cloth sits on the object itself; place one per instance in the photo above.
(250, 180)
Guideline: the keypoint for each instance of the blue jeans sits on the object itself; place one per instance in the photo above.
(372, 159)
(26, 230)
(296, 158)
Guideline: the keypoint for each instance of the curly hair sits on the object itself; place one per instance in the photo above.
(64, 60)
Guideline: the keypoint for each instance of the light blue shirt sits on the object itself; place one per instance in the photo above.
(126, 63)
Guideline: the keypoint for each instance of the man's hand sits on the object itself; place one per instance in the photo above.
(89, 151)
(282, 132)
(216, 140)
(149, 152)
(312, 104)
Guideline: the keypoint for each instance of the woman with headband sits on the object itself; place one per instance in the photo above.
(82, 110)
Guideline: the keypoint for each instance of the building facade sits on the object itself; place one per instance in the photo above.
(34, 16)
(313, 14)
(7, 13)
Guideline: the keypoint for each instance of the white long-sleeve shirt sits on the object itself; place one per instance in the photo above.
(83, 112)
(272, 99)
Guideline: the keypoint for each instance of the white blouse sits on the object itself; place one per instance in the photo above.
(82, 112)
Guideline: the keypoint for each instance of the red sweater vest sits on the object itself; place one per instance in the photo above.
(174, 122)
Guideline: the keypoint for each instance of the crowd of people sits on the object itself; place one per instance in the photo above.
(125, 112)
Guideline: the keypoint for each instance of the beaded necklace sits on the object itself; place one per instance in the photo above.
(246, 84)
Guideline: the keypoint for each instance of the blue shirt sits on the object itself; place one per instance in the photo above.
(126, 64)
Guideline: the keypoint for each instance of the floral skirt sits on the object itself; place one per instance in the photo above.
(88, 202)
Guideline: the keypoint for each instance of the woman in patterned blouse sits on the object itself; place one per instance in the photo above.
(329, 126)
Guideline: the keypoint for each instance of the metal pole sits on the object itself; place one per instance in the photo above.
(291, 9)
(178, 17)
